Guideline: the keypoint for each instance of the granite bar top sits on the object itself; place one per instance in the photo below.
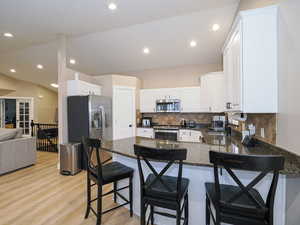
(198, 153)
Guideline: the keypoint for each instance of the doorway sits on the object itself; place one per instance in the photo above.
(16, 113)
(124, 112)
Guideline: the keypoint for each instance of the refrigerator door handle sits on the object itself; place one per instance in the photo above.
(103, 119)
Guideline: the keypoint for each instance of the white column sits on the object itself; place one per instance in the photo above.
(62, 95)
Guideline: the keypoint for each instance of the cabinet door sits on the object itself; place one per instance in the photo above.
(236, 69)
(232, 70)
(228, 64)
(217, 87)
(205, 94)
(148, 100)
(145, 132)
(190, 99)
(196, 136)
(184, 135)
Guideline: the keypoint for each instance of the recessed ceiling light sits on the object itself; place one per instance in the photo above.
(146, 50)
(8, 35)
(39, 66)
(215, 27)
(112, 6)
(12, 70)
(54, 85)
(73, 61)
(193, 44)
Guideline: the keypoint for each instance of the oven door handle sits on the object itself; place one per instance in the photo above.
(166, 131)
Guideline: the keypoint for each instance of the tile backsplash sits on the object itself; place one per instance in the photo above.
(267, 121)
(175, 118)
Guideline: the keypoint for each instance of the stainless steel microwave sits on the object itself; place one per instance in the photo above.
(168, 105)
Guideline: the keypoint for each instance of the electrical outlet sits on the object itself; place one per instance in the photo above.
(262, 132)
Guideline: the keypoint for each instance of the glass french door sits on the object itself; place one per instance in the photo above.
(2, 113)
(24, 115)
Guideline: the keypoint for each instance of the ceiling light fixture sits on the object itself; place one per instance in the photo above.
(39, 66)
(12, 70)
(215, 27)
(146, 50)
(72, 61)
(8, 35)
(193, 44)
(112, 6)
(54, 85)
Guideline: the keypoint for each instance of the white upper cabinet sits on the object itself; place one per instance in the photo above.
(148, 99)
(79, 87)
(190, 99)
(250, 62)
(212, 92)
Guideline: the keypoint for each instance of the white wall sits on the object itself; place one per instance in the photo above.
(45, 100)
(252, 4)
(289, 76)
(108, 81)
(182, 76)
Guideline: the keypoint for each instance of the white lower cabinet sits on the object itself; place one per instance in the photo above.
(145, 132)
(186, 135)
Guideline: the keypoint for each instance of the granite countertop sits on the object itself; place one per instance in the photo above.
(175, 126)
(198, 153)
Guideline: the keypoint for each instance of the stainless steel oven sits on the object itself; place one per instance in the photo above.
(166, 134)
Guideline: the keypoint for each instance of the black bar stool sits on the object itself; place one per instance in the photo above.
(242, 204)
(161, 190)
(102, 174)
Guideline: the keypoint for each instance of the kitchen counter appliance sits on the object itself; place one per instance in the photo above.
(218, 123)
(146, 122)
(168, 105)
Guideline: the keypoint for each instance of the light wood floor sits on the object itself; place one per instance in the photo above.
(38, 195)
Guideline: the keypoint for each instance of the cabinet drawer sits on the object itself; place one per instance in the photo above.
(145, 132)
(190, 136)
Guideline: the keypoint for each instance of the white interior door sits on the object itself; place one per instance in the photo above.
(2, 113)
(24, 115)
(124, 124)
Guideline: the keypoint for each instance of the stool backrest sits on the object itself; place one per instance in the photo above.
(92, 147)
(262, 164)
(169, 156)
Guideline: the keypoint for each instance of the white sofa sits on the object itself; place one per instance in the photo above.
(16, 151)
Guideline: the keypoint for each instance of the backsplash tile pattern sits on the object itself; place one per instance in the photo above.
(175, 118)
(266, 121)
(259, 120)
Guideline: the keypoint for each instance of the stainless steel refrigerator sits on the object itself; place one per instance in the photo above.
(89, 116)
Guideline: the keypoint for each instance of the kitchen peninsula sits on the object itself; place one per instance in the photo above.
(199, 170)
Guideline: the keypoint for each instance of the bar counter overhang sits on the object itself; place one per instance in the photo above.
(199, 170)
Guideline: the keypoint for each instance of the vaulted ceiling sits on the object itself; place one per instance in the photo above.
(103, 41)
